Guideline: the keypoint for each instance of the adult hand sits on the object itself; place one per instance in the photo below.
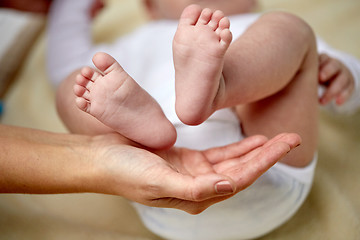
(181, 178)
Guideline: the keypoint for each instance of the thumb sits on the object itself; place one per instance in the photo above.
(198, 188)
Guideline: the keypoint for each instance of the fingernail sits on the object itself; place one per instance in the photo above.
(224, 187)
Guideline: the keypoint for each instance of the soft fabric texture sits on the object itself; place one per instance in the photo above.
(331, 211)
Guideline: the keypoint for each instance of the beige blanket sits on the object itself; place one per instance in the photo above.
(332, 211)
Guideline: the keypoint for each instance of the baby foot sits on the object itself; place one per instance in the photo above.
(199, 47)
(116, 100)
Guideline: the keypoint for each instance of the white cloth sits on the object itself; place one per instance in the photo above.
(146, 54)
(256, 211)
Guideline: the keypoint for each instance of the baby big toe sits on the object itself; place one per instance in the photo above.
(190, 15)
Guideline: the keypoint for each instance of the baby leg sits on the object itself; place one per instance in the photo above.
(116, 100)
(271, 75)
(199, 47)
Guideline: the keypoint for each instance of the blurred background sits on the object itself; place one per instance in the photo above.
(332, 210)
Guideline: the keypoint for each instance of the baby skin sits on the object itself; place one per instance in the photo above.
(110, 95)
(199, 47)
(115, 99)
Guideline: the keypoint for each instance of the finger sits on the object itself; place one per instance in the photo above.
(246, 174)
(329, 70)
(345, 94)
(337, 85)
(218, 154)
(291, 139)
(323, 58)
(97, 6)
(194, 195)
(186, 205)
(196, 189)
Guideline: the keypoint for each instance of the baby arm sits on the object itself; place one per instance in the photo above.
(70, 43)
(339, 74)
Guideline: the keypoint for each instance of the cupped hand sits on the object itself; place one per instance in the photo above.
(181, 178)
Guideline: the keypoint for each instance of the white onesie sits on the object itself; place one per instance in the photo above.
(146, 54)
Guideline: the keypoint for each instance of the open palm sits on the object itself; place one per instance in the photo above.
(187, 179)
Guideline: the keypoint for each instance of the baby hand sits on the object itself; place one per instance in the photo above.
(337, 79)
(95, 9)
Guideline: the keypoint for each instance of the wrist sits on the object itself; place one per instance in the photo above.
(66, 165)
(103, 157)
(80, 168)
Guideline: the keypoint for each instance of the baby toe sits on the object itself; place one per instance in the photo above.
(190, 15)
(205, 16)
(81, 80)
(215, 19)
(82, 104)
(225, 37)
(87, 72)
(224, 23)
(105, 63)
(79, 90)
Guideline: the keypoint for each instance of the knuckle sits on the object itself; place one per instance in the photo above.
(196, 195)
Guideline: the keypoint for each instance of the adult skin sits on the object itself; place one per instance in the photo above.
(38, 162)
